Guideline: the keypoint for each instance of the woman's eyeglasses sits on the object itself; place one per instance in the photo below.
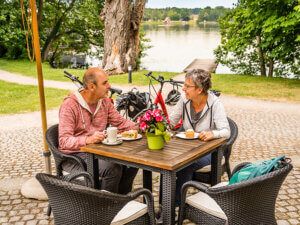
(188, 86)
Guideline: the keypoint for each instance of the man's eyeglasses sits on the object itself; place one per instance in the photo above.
(188, 86)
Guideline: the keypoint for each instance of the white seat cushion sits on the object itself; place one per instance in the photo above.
(206, 204)
(65, 173)
(131, 211)
(207, 168)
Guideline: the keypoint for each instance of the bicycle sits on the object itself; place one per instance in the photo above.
(172, 99)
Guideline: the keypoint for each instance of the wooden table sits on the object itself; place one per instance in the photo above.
(176, 155)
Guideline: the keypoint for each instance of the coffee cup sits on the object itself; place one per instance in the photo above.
(112, 134)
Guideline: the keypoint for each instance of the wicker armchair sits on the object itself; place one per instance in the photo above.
(60, 157)
(204, 174)
(249, 202)
(76, 204)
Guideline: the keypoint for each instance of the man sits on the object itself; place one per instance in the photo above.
(82, 118)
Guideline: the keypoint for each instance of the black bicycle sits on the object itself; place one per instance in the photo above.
(127, 104)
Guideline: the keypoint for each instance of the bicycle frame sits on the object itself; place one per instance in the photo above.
(159, 99)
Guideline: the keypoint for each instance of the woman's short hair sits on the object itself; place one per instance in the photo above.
(201, 79)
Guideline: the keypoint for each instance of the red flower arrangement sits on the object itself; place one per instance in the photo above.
(152, 121)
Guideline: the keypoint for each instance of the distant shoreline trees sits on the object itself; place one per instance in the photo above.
(184, 14)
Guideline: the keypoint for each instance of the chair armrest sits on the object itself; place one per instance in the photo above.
(189, 184)
(239, 166)
(184, 189)
(79, 160)
(194, 184)
(149, 200)
(76, 159)
(74, 176)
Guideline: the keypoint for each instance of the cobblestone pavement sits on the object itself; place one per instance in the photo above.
(266, 130)
(261, 136)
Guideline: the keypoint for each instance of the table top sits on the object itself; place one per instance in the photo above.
(175, 153)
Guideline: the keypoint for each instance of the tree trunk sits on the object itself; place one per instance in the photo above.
(261, 58)
(40, 13)
(271, 67)
(122, 19)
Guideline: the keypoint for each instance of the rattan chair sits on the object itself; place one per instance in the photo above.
(248, 202)
(75, 204)
(60, 157)
(204, 174)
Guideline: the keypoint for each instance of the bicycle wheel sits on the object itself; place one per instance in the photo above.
(123, 110)
(140, 114)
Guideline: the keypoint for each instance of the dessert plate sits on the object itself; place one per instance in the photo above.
(182, 135)
(139, 136)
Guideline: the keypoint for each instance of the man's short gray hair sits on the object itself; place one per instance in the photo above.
(89, 77)
(201, 79)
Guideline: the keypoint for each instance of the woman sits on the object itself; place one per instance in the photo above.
(203, 112)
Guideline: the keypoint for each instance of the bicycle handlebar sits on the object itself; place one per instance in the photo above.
(72, 77)
(161, 80)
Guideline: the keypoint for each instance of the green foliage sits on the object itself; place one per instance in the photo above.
(211, 14)
(174, 13)
(143, 46)
(275, 23)
(80, 27)
(12, 39)
(68, 27)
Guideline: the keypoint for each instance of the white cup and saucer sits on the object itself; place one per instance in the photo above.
(111, 136)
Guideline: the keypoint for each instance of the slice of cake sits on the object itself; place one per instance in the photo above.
(189, 133)
(130, 134)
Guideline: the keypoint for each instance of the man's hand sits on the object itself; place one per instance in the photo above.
(206, 135)
(95, 138)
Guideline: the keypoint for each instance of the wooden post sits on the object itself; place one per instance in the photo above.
(37, 52)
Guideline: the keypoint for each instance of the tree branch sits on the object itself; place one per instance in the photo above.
(137, 12)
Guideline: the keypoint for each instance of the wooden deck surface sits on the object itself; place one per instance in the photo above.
(205, 64)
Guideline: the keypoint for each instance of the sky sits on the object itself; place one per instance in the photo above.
(189, 3)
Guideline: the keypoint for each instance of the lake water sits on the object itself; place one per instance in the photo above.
(176, 46)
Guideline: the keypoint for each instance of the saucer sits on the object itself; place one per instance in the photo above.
(118, 142)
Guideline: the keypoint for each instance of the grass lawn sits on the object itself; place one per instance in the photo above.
(275, 89)
(27, 68)
(16, 98)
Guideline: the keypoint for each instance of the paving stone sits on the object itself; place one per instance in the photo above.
(19, 223)
(291, 208)
(32, 222)
(16, 201)
(28, 217)
(14, 218)
(293, 214)
(282, 222)
(3, 219)
(294, 221)
(42, 222)
(24, 212)
(5, 197)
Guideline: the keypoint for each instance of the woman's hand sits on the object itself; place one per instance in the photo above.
(206, 135)
(95, 138)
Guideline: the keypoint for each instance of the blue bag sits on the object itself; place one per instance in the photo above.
(256, 169)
